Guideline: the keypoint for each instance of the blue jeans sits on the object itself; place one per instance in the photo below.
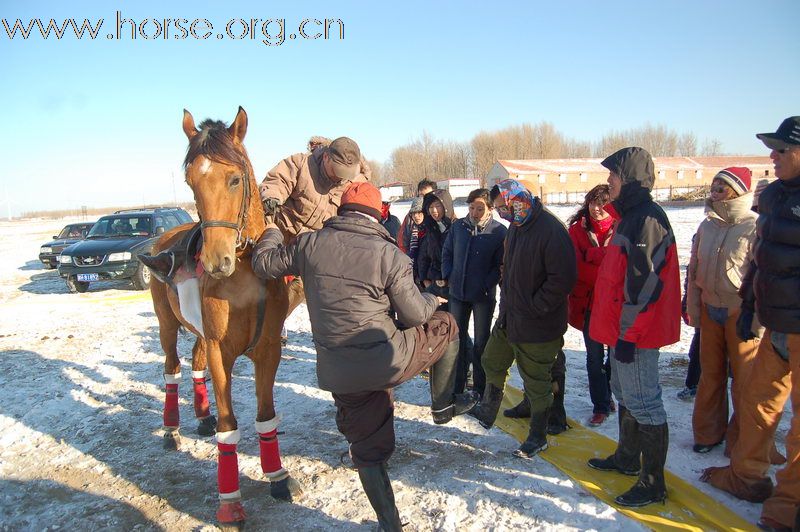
(637, 388)
(483, 312)
(781, 344)
(717, 314)
(599, 370)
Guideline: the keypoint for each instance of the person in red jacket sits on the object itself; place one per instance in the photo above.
(637, 310)
(591, 229)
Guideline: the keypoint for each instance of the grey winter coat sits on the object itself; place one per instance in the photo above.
(353, 275)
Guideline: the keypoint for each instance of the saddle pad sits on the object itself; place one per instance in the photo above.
(189, 303)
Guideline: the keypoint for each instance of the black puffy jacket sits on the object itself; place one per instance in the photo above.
(773, 281)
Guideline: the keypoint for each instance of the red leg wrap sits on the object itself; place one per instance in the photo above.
(227, 468)
(171, 415)
(201, 408)
(270, 452)
(231, 512)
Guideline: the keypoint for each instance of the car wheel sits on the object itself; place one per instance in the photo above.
(141, 279)
(77, 286)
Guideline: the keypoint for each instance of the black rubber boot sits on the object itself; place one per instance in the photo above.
(486, 411)
(378, 488)
(557, 422)
(521, 410)
(444, 403)
(625, 459)
(537, 437)
(650, 487)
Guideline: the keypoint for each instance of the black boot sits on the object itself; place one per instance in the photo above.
(625, 459)
(376, 485)
(162, 265)
(521, 410)
(165, 264)
(486, 410)
(650, 487)
(537, 437)
(444, 403)
(557, 422)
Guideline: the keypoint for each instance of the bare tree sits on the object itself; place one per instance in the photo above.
(378, 177)
(576, 149)
(688, 145)
(712, 147)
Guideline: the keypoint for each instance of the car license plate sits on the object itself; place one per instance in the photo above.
(86, 277)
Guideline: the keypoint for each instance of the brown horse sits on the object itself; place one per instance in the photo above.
(240, 314)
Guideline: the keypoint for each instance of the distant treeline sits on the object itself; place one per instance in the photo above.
(444, 159)
(95, 212)
(435, 159)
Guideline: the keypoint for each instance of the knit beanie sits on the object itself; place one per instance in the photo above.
(737, 177)
(416, 205)
(362, 197)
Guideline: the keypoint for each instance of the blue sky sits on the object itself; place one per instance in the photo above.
(98, 122)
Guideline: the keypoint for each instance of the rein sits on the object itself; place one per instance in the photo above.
(241, 219)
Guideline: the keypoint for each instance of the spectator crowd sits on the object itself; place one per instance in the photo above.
(388, 300)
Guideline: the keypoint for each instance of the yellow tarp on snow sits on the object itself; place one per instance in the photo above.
(686, 508)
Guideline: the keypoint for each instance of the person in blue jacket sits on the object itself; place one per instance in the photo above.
(471, 259)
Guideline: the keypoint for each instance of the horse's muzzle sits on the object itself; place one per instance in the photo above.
(221, 269)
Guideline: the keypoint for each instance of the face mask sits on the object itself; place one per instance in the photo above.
(506, 214)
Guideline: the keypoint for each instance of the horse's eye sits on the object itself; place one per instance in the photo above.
(235, 181)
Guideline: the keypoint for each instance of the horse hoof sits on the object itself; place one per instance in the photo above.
(172, 440)
(207, 426)
(231, 516)
(287, 489)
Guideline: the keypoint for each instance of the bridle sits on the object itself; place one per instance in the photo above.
(241, 220)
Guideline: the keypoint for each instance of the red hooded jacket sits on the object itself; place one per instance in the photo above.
(637, 296)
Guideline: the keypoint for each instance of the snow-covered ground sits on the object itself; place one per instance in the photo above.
(80, 416)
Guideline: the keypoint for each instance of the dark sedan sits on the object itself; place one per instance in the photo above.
(71, 233)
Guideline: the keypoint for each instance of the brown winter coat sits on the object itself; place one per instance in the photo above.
(721, 254)
(354, 274)
(307, 195)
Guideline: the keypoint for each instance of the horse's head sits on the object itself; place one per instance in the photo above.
(219, 173)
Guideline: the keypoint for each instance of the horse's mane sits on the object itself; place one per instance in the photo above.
(215, 142)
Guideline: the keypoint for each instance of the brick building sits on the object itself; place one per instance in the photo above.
(567, 180)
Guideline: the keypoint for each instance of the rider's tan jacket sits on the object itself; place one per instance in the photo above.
(307, 195)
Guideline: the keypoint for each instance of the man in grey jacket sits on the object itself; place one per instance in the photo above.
(354, 275)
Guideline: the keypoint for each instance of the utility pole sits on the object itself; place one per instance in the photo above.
(8, 203)
(174, 196)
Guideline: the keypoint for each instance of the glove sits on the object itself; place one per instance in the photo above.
(744, 325)
(271, 206)
(624, 351)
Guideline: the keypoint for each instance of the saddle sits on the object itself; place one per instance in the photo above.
(182, 255)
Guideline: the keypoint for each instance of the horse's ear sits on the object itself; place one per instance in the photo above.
(188, 125)
(239, 127)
